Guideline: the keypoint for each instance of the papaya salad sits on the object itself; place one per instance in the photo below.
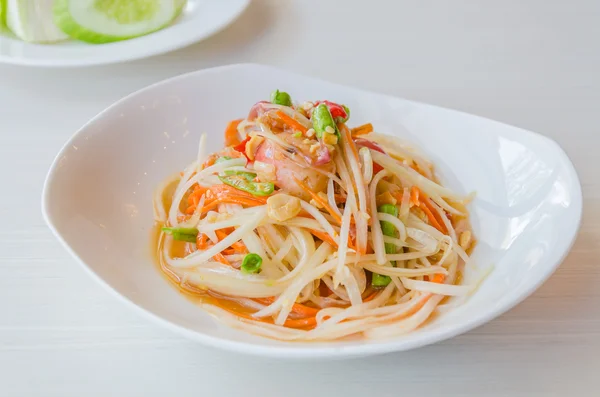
(303, 228)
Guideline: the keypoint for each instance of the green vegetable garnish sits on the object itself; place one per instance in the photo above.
(388, 229)
(251, 263)
(347, 109)
(297, 134)
(281, 98)
(187, 234)
(379, 280)
(321, 119)
(221, 159)
(242, 183)
(248, 175)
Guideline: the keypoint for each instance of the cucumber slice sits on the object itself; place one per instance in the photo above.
(105, 21)
(180, 4)
(2, 14)
(32, 20)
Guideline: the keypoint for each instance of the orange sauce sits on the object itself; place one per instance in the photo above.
(194, 293)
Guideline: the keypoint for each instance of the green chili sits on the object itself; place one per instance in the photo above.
(248, 175)
(347, 109)
(379, 280)
(188, 234)
(388, 229)
(281, 98)
(321, 119)
(251, 263)
(242, 183)
(221, 159)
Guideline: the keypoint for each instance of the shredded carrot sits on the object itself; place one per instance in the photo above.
(231, 200)
(220, 258)
(398, 196)
(301, 322)
(210, 161)
(191, 209)
(348, 137)
(426, 203)
(238, 246)
(319, 200)
(415, 167)
(323, 236)
(432, 220)
(222, 233)
(362, 129)
(414, 195)
(421, 200)
(438, 278)
(194, 197)
(237, 200)
(291, 122)
(241, 250)
(371, 297)
(297, 308)
(202, 241)
(232, 137)
(360, 251)
(227, 194)
(306, 323)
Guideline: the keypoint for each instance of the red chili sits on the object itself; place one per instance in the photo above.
(241, 147)
(369, 144)
(337, 111)
(374, 146)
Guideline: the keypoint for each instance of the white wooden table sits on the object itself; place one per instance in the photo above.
(528, 63)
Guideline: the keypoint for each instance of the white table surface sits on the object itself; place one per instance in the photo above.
(528, 63)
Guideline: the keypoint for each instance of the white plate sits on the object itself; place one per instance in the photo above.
(200, 19)
(97, 197)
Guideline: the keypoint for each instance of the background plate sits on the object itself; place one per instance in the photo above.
(200, 19)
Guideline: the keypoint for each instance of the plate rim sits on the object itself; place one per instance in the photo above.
(302, 350)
